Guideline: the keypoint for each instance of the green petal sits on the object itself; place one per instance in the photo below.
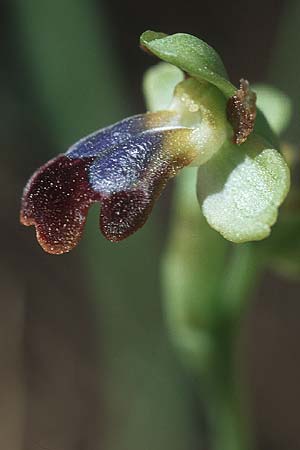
(275, 105)
(190, 54)
(241, 188)
(159, 84)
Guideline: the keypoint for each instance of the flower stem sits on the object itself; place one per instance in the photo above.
(227, 405)
(206, 284)
(228, 428)
(229, 409)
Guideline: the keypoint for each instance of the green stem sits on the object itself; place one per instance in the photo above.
(228, 428)
(206, 284)
(228, 405)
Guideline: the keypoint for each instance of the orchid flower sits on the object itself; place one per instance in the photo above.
(209, 123)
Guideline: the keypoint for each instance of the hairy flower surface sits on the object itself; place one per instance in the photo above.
(126, 166)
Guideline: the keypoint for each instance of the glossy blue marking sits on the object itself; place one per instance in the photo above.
(106, 138)
(118, 169)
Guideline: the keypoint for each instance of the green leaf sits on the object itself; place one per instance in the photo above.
(190, 54)
(158, 85)
(241, 188)
(275, 105)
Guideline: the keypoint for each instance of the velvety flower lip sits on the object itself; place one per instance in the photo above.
(124, 167)
(56, 200)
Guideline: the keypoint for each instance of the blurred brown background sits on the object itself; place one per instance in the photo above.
(85, 358)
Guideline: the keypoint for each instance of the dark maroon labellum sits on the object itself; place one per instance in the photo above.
(124, 167)
(56, 201)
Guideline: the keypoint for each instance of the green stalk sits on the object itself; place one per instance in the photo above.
(229, 405)
(206, 284)
(229, 429)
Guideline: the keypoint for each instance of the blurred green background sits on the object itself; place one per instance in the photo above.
(86, 362)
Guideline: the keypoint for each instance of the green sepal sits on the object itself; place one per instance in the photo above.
(199, 60)
(263, 128)
(275, 105)
(158, 85)
(190, 54)
(241, 188)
